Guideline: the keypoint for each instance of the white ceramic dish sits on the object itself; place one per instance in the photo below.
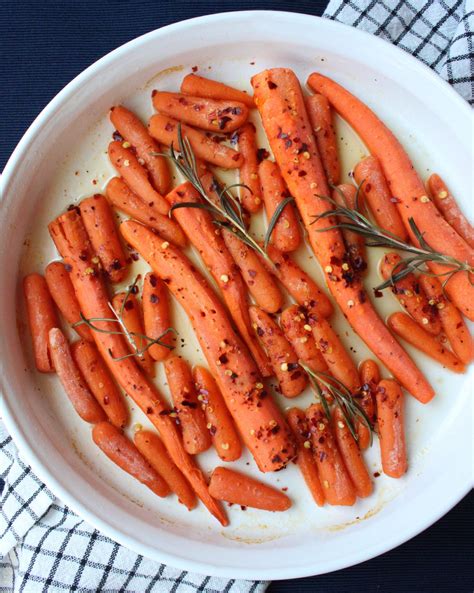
(432, 122)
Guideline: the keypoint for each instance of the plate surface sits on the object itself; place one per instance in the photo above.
(53, 166)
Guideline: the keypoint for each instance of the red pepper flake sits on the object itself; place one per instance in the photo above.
(154, 299)
(252, 273)
(302, 174)
(117, 136)
(169, 127)
(236, 157)
(194, 68)
(187, 404)
(243, 508)
(153, 280)
(128, 305)
(376, 474)
(271, 85)
(262, 154)
(378, 294)
(223, 122)
(106, 400)
(68, 267)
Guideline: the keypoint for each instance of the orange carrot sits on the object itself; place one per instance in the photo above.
(151, 447)
(369, 374)
(281, 105)
(254, 412)
(250, 196)
(283, 358)
(451, 320)
(369, 176)
(135, 133)
(391, 423)
(300, 335)
(156, 316)
(72, 380)
(237, 488)
(337, 485)
(410, 331)
(369, 378)
(62, 291)
(221, 427)
(199, 86)
(345, 195)
(42, 318)
(123, 453)
(259, 281)
(165, 130)
(98, 379)
(286, 234)
(322, 121)
(352, 456)
(123, 198)
(135, 176)
(196, 436)
(131, 314)
(297, 420)
(449, 208)
(411, 295)
(99, 222)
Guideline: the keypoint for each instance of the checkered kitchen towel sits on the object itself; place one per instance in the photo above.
(43, 545)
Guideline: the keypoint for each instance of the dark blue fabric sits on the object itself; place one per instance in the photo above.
(43, 45)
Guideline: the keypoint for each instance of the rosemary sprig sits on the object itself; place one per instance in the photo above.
(378, 237)
(342, 398)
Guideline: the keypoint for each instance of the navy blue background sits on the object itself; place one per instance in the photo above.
(43, 45)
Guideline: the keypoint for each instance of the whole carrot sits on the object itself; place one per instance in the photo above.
(199, 86)
(225, 437)
(62, 292)
(237, 488)
(369, 377)
(157, 316)
(391, 423)
(42, 318)
(71, 379)
(250, 196)
(322, 121)
(99, 222)
(346, 195)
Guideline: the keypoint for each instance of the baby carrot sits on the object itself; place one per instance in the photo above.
(283, 358)
(157, 316)
(199, 86)
(225, 437)
(42, 318)
(345, 195)
(237, 488)
(322, 121)
(369, 378)
(250, 196)
(391, 423)
(100, 225)
(71, 379)
(123, 453)
(62, 291)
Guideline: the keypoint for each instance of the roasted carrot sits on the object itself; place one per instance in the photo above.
(99, 222)
(300, 335)
(199, 86)
(123, 453)
(237, 488)
(42, 318)
(196, 436)
(253, 410)
(351, 455)
(123, 198)
(322, 121)
(135, 176)
(71, 239)
(135, 133)
(286, 234)
(157, 316)
(405, 327)
(391, 423)
(129, 309)
(281, 105)
(71, 379)
(345, 195)
(250, 196)
(299, 284)
(62, 291)
(97, 377)
(405, 184)
(337, 484)
(221, 427)
(283, 358)
(369, 176)
(447, 205)
(451, 319)
(369, 373)
(165, 130)
(151, 447)
(411, 296)
(369, 378)
(258, 279)
(299, 425)
(201, 230)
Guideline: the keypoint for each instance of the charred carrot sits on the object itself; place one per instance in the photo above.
(369, 378)
(199, 86)
(286, 234)
(99, 222)
(391, 423)
(345, 195)
(237, 488)
(156, 316)
(322, 121)
(123, 453)
(42, 318)
(250, 196)
(221, 427)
